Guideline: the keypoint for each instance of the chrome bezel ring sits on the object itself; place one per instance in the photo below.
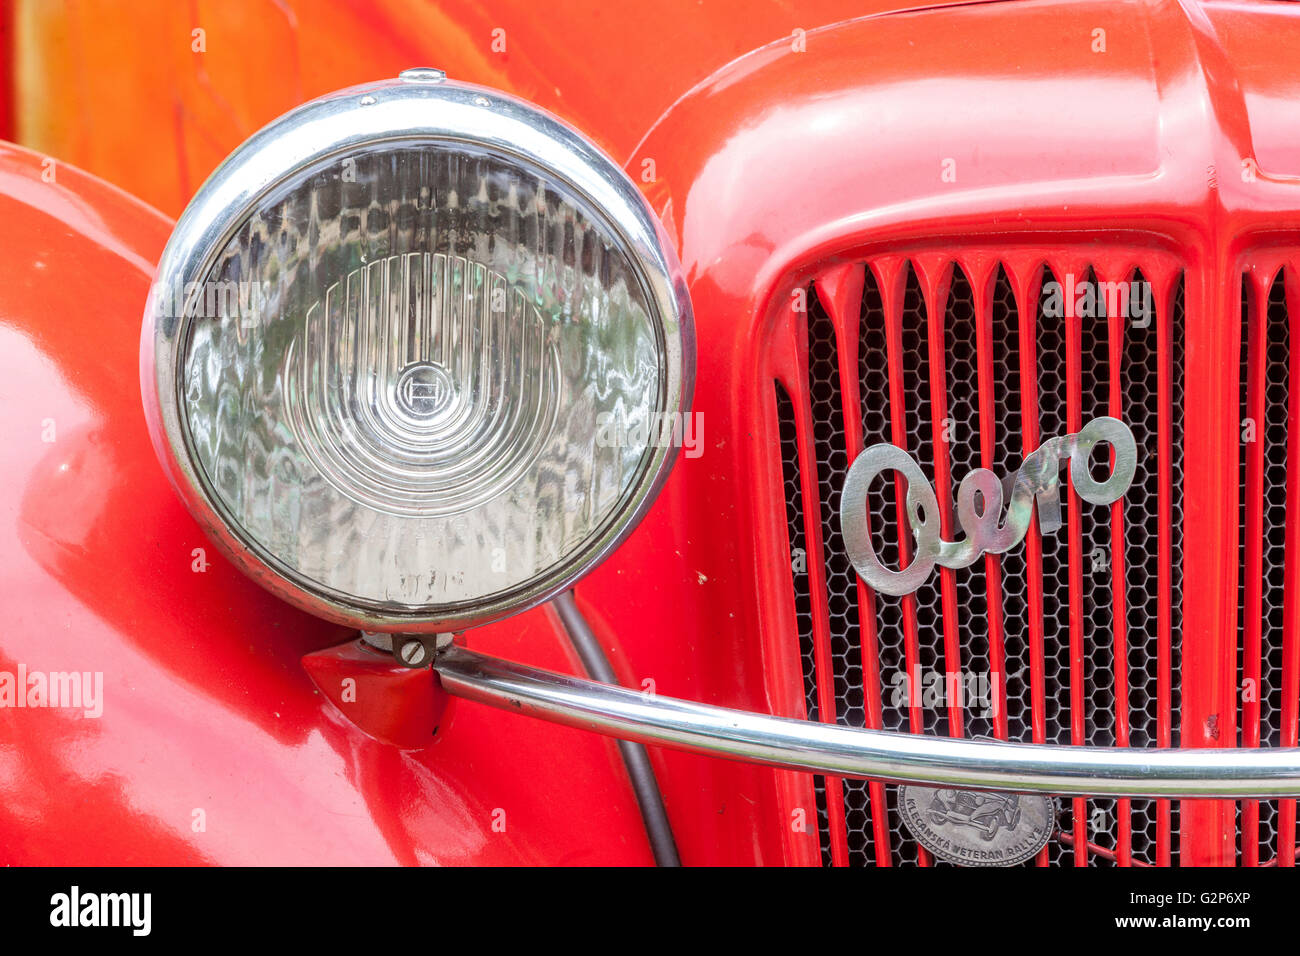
(418, 107)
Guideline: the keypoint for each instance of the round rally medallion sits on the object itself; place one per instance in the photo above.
(975, 828)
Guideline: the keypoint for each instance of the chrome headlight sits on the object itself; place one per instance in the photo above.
(415, 353)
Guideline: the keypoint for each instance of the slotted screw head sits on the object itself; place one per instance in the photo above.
(413, 653)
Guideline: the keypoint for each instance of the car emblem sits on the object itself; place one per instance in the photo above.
(972, 828)
(979, 502)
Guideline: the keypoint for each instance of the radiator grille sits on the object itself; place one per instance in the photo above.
(1265, 403)
(985, 625)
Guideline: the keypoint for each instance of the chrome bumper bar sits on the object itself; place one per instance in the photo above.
(878, 755)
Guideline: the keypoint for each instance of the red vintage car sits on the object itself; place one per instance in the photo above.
(577, 434)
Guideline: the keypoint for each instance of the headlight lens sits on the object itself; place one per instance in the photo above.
(426, 373)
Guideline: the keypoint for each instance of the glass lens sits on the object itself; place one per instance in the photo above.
(420, 376)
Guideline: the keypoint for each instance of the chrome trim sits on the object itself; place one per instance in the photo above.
(979, 502)
(878, 755)
(421, 107)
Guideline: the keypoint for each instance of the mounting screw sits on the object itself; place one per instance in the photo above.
(413, 653)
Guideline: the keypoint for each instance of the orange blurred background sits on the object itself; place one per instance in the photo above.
(134, 93)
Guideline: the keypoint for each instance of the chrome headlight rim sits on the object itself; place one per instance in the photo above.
(416, 108)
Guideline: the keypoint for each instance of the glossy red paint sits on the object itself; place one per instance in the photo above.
(213, 745)
(211, 646)
(609, 69)
(778, 164)
(1059, 151)
(397, 705)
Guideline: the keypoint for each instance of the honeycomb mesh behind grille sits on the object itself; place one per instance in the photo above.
(1277, 398)
(1272, 432)
(924, 609)
(803, 602)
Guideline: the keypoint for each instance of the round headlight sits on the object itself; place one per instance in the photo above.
(416, 355)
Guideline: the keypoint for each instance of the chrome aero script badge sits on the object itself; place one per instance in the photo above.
(979, 502)
(978, 829)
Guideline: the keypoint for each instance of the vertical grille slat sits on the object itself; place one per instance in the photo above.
(1055, 565)
(1289, 713)
(1005, 453)
(1030, 306)
(832, 456)
(1254, 297)
(873, 380)
(971, 365)
(1053, 367)
(937, 285)
(984, 299)
(1096, 576)
(961, 423)
(1172, 499)
(1263, 527)
(1074, 564)
(906, 337)
(815, 407)
(1142, 372)
(803, 601)
(1277, 379)
(1115, 331)
(840, 293)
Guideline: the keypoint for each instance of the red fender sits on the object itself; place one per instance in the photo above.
(213, 745)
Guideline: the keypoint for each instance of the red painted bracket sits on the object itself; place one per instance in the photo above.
(388, 701)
